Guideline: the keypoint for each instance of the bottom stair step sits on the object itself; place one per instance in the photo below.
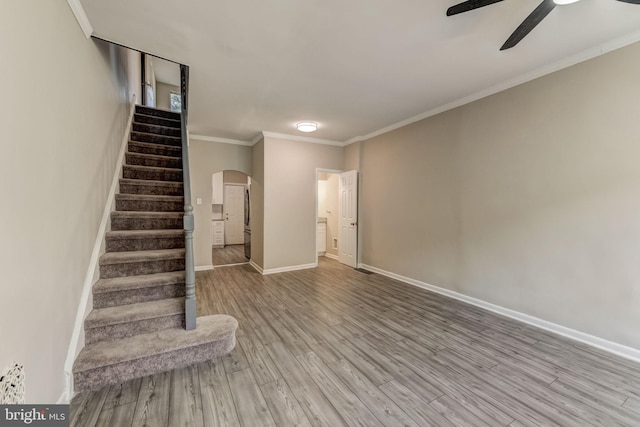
(133, 319)
(113, 362)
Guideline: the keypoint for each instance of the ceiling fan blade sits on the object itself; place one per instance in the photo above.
(631, 1)
(469, 5)
(529, 23)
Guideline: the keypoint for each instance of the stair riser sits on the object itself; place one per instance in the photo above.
(113, 332)
(154, 120)
(125, 245)
(157, 113)
(134, 296)
(146, 223)
(141, 160)
(113, 374)
(155, 139)
(138, 268)
(151, 190)
(130, 172)
(149, 205)
(158, 149)
(156, 130)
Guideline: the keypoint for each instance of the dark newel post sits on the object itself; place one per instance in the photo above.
(190, 278)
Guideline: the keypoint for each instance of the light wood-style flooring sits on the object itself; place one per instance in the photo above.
(230, 254)
(332, 346)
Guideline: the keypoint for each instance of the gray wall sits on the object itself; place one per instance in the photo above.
(527, 199)
(207, 158)
(289, 199)
(59, 162)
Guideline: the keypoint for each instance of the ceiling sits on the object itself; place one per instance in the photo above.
(354, 66)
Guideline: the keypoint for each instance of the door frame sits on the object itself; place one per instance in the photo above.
(318, 172)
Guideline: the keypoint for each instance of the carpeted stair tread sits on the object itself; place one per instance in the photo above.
(112, 362)
(149, 197)
(133, 214)
(144, 234)
(154, 138)
(154, 160)
(142, 240)
(138, 282)
(157, 112)
(160, 188)
(155, 120)
(134, 312)
(110, 258)
(151, 148)
(152, 173)
(138, 220)
(156, 129)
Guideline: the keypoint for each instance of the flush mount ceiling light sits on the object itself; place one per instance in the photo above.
(307, 126)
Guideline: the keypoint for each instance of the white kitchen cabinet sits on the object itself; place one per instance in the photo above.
(217, 183)
(218, 234)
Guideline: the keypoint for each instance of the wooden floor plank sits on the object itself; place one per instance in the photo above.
(218, 407)
(413, 405)
(185, 398)
(354, 412)
(88, 412)
(314, 403)
(152, 408)
(251, 406)
(285, 409)
(387, 412)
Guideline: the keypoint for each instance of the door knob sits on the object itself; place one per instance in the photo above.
(354, 223)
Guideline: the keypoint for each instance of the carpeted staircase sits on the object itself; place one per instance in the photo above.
(136, 327)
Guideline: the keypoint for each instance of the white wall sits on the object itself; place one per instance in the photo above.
(290, 199)
(527, 199)
(63, 120)
(206, 158)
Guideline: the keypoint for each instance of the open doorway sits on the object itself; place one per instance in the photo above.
(230, 211)
(327, 242)
(337, 215)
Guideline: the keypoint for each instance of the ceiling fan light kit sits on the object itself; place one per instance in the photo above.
(527, 25)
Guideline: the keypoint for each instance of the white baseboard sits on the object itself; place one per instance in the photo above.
(204, 267)
(255, 266)
(93, 268)
(332, 256)
(289, 268)
(594, 341)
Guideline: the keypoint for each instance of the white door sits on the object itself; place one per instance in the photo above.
(233, 214)
(348, 218)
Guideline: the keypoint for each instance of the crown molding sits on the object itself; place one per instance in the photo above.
(302, 138)
(81, 17)
(221, 140)
(257, 139)
(585, 55)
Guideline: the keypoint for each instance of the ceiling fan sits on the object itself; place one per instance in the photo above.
(527, 25)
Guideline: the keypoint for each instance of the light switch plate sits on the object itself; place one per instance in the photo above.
(199, 201)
